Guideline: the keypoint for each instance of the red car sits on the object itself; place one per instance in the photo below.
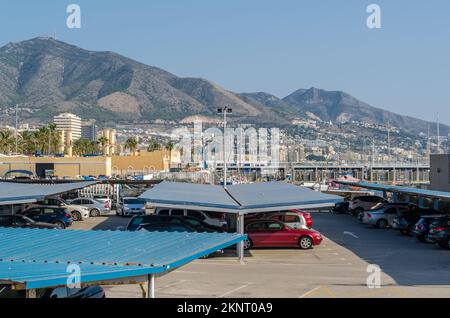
(273, 233)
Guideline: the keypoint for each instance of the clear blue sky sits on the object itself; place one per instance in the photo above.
(273, 46)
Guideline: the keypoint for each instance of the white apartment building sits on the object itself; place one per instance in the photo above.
(69, 122)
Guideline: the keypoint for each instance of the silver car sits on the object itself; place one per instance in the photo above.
(384, 216)
(96, 208)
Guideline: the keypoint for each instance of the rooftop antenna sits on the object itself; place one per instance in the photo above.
(428, 142)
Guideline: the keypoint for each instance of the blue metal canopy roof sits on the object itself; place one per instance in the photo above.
(37, 258)
(243, 198)
(399, 189)
(18, 193)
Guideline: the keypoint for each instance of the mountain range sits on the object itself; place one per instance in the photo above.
(48, 77)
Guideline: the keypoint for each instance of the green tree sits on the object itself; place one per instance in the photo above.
(131, 144)
(7, 141)
(103, 141)
(85, 147)
(169, 147)
(28, 143)
(154, 145)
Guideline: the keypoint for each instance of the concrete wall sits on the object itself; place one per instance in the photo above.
(63, 167)
(440, 172)
(145, 162)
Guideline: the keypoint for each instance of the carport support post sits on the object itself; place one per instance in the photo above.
(240, 230)
(436, 204)
(31, 293)
(151, 286)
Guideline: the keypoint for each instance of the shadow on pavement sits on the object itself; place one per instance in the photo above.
(403, 258)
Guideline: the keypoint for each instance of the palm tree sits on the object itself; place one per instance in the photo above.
(42, 138)
(131, 144)
(103, 142)
(84, 147)
(28, 143)
(53, 138)
(7, 141)
(153, 145)
(169, 147)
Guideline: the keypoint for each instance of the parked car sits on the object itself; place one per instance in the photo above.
(24, 222)
(422, 228)
(48, 214)
(212, 218)
(294, 219)
(394, 204)
(130, 206)
(273, 233)
(78, 212)
(406, 220)
(60, 292)
(103, 198)
(440, 232)
(96, 208)
(341, 207)
(307, 216)
(364, 203)
(195, 223)
(166, 227)
(385, 215)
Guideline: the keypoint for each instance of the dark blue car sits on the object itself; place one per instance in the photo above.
(48, 214)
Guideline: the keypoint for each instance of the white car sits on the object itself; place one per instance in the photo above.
(78, 212)
(213, 218)
(96, 207)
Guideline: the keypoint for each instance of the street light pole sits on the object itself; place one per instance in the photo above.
(17, 140)
(224, 152)
(224, 111)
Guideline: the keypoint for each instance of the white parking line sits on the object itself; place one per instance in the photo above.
(234, 290)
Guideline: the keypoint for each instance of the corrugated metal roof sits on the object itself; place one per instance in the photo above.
(39, 258)
(190, 194)
(18, 193)
(399, 189)
(244, 198)
(273, 194)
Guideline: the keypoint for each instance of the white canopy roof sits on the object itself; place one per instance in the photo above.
(242, 199)
(19, 193)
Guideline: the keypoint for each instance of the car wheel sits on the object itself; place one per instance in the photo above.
(358, 211)
(422, 239)
(382, 224)
(248, 244)
(60, 225)
(442, 244)
(360, 216)
(76, 216)
(409, 230)
(305, 243)
(94, 213)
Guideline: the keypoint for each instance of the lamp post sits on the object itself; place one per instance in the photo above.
(17, 136)
(224, 111)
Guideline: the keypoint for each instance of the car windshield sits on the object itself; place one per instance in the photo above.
(132, 201)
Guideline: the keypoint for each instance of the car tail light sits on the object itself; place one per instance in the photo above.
(68, 216)
(369, 215)
(438, 229)
(106, 205)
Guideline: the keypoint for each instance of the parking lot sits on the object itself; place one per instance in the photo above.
(336, 268)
